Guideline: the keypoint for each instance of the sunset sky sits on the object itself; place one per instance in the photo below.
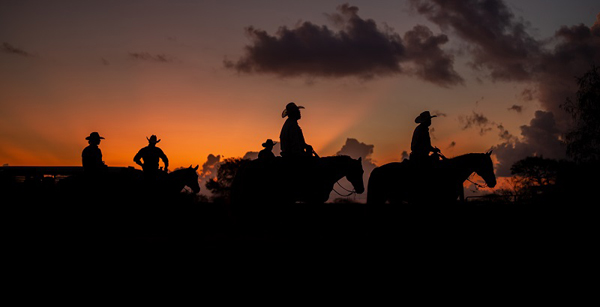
(212, 77)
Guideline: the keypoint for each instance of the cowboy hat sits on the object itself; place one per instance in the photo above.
(152, 139)
(94, 136)
(423, 117)
(290, 107)
(269, 143)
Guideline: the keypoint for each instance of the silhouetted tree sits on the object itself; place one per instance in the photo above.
(536, 171)
(534, 175)
(583, 141)
(220, 186)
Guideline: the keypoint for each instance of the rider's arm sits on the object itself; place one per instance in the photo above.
(165, 159)
(137, 158)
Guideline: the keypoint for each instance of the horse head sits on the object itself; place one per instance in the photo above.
(188, 177)
(485, 169)
(354, 174)
(192, 181)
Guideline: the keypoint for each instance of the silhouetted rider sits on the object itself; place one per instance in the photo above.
(267, 153)
(91, 157)
(150, 156)
(291, 137)
(421, 142)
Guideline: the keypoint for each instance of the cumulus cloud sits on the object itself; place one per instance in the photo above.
(358, 49)
(253, 155)
(355, 150)
(145, 56)
(8, 48)
(209, 170)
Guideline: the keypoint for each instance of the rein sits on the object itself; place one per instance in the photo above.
(350, 192)
(476, 184)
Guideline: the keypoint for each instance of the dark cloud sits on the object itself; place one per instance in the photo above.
(359, 49)
(505, 135)
(8, 48)
(516, 108)
(539, 138)
(476, 120)
(499, 42)
(161, 58)
(431, 62)
(575, 49)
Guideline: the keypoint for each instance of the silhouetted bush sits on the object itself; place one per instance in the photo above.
(220, 186)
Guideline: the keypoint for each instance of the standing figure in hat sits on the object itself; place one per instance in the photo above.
(150, 156)
(91, 157)
(421, 142)
(267, 153)
(291, 137)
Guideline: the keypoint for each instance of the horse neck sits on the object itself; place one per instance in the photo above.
(465, 165)
(176, 177)
(337, 167)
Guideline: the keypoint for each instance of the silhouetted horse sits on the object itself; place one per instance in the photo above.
(283, 181)
(403, 182)
(175, 181)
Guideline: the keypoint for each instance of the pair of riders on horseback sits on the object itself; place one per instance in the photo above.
(147, 157)
(294, 146)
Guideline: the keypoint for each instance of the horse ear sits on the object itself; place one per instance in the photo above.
(196, 168)
(190, 166)
(360, 159)
(489, 153)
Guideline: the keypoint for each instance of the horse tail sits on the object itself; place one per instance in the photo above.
(375, 188)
